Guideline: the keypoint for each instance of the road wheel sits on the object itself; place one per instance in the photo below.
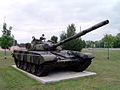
(28, 67)
(21, 64)
(33, 69)
(42, 70)
(25, 66)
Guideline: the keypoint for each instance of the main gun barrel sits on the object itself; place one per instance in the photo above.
(81, 33)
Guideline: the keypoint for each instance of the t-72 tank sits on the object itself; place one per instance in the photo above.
(41, 57)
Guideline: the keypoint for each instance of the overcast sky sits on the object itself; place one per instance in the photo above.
(34, 17)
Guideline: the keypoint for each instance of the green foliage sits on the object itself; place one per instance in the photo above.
(6, 40)
(74, 44)
(97, 44)
(83, 44)
(118, 35)
(108, 41)
(54, 38)
(5, 31)
(117, 41)
(90, 44)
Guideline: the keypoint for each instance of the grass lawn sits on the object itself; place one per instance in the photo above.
(107, 78)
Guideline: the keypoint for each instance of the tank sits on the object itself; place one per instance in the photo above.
(41, 57)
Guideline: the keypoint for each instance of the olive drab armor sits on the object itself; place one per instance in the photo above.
(42, 57)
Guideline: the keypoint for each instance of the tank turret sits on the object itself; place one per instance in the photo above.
(39, 45)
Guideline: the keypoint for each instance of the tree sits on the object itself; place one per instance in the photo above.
(54, 38)
(117, 41)
(75, 44)
(118, 35)
(108, 40)
(6, 40)
(97, 44)
(90, 44)
(83, 44)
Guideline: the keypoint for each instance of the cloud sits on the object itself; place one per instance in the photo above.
(51, 17)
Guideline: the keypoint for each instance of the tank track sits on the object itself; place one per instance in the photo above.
(38, 70)
(44, 69)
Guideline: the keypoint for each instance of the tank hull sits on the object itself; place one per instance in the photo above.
(35, 62)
